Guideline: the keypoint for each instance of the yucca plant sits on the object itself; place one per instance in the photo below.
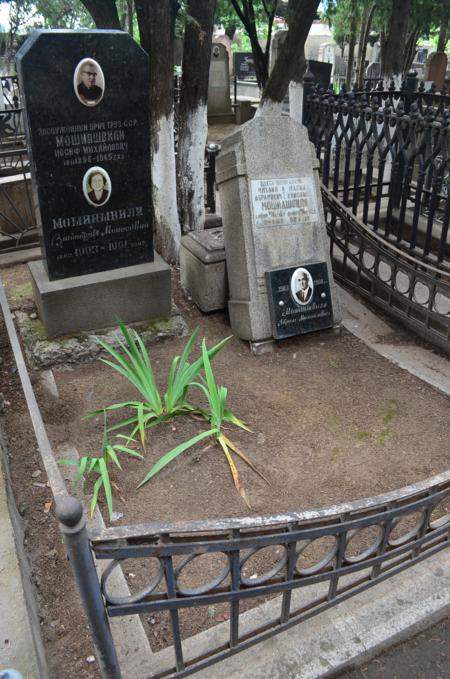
(99, 465)
(216, 416)
(135, 365)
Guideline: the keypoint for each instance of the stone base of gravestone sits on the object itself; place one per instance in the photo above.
(93, 301)
(203, 269)
(273, 219)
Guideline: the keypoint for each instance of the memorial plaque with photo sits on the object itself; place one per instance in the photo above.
(87, 127)
(244, 66)
(299, 299)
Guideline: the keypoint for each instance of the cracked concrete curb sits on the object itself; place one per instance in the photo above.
(21, 645)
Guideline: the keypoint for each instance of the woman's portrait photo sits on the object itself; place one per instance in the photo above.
(89, 82)
(302, 286)
(96, 186)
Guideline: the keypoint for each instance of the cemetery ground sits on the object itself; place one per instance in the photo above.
(331, 421)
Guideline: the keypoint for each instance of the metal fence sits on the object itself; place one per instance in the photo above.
(385, 167)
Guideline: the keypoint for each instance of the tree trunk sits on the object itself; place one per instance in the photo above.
(362, 50)
(442, 40)
(287, 64)
(246, 15)
(104, 13)
(410, 49)
(156, 21)
(392, 55)
(130, 12)
(296, 90)
(193, 114)
(351, 46)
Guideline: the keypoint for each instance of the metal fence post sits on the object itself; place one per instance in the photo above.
(72, 523)
(308, 88)
(411, 88)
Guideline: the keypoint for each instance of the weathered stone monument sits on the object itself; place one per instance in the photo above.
(87, 129)
(279, 271)
(435, 68)
(219, 99)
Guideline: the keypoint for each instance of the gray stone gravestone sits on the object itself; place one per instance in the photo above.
(87, 128)
(274, 231)
(219, 99)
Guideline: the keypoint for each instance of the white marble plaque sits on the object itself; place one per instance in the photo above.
(284, 202)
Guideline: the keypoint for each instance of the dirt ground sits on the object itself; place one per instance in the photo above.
(331, 421)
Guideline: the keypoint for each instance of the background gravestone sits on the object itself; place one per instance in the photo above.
(70, 140)
(435, 68)
(244, 66)
(87, 127)
(219, 100)
(274, 231)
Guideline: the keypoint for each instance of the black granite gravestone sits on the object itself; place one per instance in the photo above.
(87, 128)
(244, 66)
(299, 299)
(321, 72)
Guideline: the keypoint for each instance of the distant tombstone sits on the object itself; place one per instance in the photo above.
(435, 68)
(219, 100)
(373, 70)
(327, 52)
(276, 244)
(321, 72)
(340, 66)
(244, 66)
(87, 129)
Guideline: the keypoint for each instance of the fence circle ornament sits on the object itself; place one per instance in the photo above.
(268, 574)
(319, 565)
(405, 537)
(370, 550)
(202, 589)
(133, 598)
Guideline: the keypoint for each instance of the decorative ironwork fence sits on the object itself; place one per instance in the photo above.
(17, 218)
(312, 559)
(385, 167)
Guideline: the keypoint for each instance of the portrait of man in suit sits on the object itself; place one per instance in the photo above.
(89, 82)
(302, 286)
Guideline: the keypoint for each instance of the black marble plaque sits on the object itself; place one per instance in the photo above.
(299, 299)
(244, 66)
(87, 128)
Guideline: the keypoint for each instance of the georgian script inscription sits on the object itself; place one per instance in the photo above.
(284, 202)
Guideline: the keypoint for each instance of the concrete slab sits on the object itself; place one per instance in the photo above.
(378, 335)
(20, 643)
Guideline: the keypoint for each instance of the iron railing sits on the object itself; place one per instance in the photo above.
(313, 559)
(385, 168)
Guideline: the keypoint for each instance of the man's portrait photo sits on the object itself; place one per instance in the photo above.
(89, 82)
(96, 186)
(302, 286)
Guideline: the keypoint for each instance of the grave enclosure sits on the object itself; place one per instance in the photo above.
(87, 128)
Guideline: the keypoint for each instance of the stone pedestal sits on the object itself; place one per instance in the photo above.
(203, 269)
(97, 300)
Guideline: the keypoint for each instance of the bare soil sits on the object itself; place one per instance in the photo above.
(331, 421)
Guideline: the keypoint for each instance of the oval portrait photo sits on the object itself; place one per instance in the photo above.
(89, 82)
(96, 186)
(302, 286)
